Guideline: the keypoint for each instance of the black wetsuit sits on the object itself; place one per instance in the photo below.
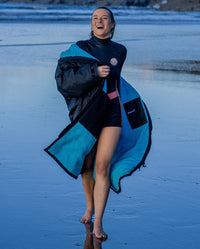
(113, 55)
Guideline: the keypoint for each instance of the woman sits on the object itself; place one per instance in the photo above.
(112, 55)
(88, 76)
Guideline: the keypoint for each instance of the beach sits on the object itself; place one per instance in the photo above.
(40, 205)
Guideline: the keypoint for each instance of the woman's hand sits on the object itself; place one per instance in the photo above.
(103, 71)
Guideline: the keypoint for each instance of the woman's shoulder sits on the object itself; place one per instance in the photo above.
(82, 43)
(119, 47)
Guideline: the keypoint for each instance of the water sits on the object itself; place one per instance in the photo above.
(40, 205)
(35, 12)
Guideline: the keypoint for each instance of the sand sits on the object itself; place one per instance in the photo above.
(41, 205)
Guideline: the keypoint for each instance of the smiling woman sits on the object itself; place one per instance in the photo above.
(88, 76)
(103, 23)
(102, 62)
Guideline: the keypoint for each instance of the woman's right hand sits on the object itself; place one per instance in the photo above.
(103, 71)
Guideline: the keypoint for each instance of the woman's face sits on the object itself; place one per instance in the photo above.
(101, 24)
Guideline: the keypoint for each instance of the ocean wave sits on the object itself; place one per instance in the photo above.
(37, 12)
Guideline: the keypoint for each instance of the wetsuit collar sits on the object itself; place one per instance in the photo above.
(99, 41)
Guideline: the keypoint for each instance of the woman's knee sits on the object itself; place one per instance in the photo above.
(102, 168)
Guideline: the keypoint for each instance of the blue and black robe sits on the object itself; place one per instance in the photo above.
(87, 115)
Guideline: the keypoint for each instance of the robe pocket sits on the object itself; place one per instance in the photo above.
(135, 113)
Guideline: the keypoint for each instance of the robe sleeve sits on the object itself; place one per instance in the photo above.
(74, 79)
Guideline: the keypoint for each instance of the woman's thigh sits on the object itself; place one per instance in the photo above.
(107, 143)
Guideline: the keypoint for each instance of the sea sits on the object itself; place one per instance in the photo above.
(39, 12)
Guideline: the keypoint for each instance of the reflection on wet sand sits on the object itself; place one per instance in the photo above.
(91, 242)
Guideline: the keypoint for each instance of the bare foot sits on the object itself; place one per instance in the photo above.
(87, 217)
(99, 233)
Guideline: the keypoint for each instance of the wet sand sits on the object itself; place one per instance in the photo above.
(40, 205)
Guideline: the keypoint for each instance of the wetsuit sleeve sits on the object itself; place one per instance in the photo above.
(73, 81)
(124, 55)
(123, 58)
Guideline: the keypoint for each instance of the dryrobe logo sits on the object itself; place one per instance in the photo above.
(131, 111)
(114, 62)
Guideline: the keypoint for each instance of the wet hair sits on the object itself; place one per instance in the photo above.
(112, 20)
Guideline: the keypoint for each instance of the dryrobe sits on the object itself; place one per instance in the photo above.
(78, 138)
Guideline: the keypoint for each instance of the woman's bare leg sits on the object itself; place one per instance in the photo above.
(88, 185)
(105, 149)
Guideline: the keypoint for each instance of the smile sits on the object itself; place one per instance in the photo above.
(100, 27)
